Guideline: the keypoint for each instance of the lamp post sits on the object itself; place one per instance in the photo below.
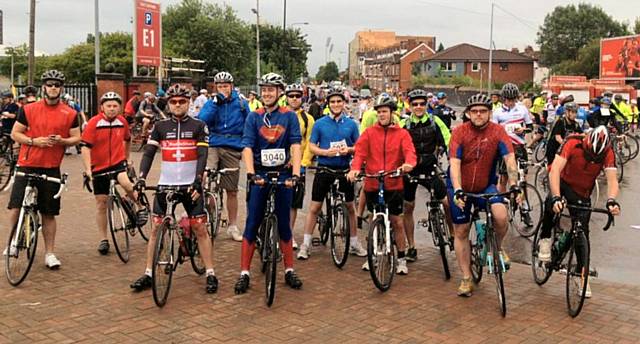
(257, 12)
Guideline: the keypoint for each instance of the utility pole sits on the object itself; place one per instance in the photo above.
(490, 81)
(257, 12)
(32, 33)
(284, 34)
(97, 40)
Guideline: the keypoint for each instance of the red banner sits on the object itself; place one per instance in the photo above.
(620, 58)
(148, 33)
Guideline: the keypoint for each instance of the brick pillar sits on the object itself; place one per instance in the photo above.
(143, 84)
(111, 82)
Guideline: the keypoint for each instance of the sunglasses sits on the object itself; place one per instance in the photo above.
(478, 112)
(178, 101)
(53, 84)
(336, 101)
(295, 96)
(418, 104)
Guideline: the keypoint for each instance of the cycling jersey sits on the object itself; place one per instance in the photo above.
(427, 133)
(329, 133)
(7, 123)
(106, 138)
(147, 107)
(306, 126)
(579, 173)
(225, 118)
(446, 114)
(551, 111)
(513, 119)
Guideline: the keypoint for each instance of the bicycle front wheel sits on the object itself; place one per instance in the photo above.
(497, 262)
(540, 151)
(541, 270)
(438, 228)
(528, 214)
(212, 205)
(541, 180)
(118, 227)
(381, 255)
(477, 260)
(21, 249)
(340, 234)
(164, 262)
(271, 248)
(577, 274)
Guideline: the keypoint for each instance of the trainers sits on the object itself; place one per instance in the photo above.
(212, 284)
(142, 283)
(304, 252)
(466, 287)
(294, 244)
(242, 284)
(51, 261)
(292, 280)
(402, 268)
(103, 247)
(544, 250)
(234, 233)
(587, 293)
(358, 250)
(412, 255)
(365, 266)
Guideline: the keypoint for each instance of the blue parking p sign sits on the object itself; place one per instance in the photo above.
(147, 18)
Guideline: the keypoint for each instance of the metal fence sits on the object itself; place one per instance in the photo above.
(84, 94)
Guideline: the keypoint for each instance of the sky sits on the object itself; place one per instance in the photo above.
(61, 23)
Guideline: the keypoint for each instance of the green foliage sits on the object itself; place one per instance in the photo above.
(328, 72)
(458, 80)
(636, 26)
(440, 47)
(586, 62)
(285, 51)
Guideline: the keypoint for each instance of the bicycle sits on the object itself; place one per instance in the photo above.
(174, 242)
(484, 251)
(336, 223)
(23, 239)
(138, 138)
(8, 160)
(576, 244)
(213, 199)
(122, 218)
(523, 215)
(381, 246)
(435, 222)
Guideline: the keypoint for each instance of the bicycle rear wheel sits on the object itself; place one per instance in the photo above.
(634, 146)
(381, 255)
(528, 213)
(164, 262)
(577, 274)
(21, 249)
(340, 234)
(438, 231)
(213, 214)
(497, 271)
(197, 263)
(271, 250)
(541, 270)
(117, 219)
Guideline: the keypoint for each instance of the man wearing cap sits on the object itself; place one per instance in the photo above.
(495, 100)
(254, 103)
(445, 112)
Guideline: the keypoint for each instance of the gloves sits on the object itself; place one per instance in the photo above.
(515, 190)
(612, 203)
(141, 184)
(557, 202)
(459, 195)
(197, 185)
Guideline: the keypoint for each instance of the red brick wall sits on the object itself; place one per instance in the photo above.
(406, 67)
(517, 73)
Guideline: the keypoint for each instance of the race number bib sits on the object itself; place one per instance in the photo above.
(273, 157)
(605, 112)
(512, 127)
(338, 144)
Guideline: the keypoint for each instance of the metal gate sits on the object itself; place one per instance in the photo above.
(84, 94)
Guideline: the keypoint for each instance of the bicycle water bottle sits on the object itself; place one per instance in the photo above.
(561, 243)
(185, 225)
(480, 233)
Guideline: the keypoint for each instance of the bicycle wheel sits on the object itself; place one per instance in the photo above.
(540, 151)
(438, 232)
(634, 146)
(541, 179)
(148, 227)
(118, 227)
(381, 255)
(340, 234)
(136, 137)
(6, 170)
(577, 274)
(528, 213)
(271, 249)
(477, 261)
(164, 262)
(324, 231)
(619, 167)
(541, 271)
(21, 249)
(211, 206)
(197, 263)
(496, 260)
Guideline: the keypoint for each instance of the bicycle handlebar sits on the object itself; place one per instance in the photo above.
(488, 195)
(209, 170)
(340, 172)
(393, 173)
(433, 174)
(610, 219)
(62, 180)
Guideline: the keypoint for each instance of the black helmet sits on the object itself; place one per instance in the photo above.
(510, 91)
(6, 94)
(336, 91)
(30, 90)
(478, 99)
(272, 79)
(567, 99)
(110, 96)
(418, 93)
(52, 74)
(177, 90)
(384, 99)
(595, 101)
(571, 106)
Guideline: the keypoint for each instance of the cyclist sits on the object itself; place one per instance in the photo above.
(225, 115)
(551, 109)
(606, 115)
(8, 112)
(32, 94)
(149, 111)
(332, 140)
(444, 111)
(562, 128)
(105, 148)
(43, 129)
(429, 135)
(132, 106)
(271, 142)
(626, 114)
(514, 117)
(538, 106)
(294, 93)
(474, 148)
(254, 103)
(384, 147)
(183, 142)
(495, 101)
(573, 175)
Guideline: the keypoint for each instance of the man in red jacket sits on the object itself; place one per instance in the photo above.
(386, 147)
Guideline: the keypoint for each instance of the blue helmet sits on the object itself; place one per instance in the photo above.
(160, 93)
(441, 95)
(606, 101)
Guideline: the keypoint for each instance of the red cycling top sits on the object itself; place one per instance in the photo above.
(106, 138)
(479, 150)
(44, 120)
(579, 173)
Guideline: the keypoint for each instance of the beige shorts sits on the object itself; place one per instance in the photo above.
(221, 157)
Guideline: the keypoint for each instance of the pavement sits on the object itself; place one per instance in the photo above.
(89, 299)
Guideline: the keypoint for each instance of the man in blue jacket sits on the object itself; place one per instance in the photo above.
(225, 114)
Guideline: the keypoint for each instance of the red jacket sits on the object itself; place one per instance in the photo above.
(383, 149)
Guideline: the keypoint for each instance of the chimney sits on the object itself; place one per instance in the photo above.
(515, 50)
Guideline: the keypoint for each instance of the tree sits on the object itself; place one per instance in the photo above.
(586, 62)
(328, 72)
(636, 26)
(569, 28)
(287, 51)
(440, 47)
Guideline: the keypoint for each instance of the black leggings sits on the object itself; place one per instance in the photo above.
(572, 198)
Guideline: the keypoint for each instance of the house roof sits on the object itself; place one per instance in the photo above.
(416, 48)
(471, 53)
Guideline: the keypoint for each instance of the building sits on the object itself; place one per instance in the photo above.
(473, 61)
(374, 40)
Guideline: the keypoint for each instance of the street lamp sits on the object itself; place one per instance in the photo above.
(257, 13)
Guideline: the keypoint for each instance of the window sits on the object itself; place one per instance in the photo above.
(504, 67)
(448, 66)
(475, 67)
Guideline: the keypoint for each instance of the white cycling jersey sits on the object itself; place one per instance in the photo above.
(512, 119)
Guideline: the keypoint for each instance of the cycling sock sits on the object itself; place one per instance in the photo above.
(147, 272)
(287, 270)
(247, 254)
(210, 272)
(353, 241)
(287, 253)
(400, 254)
(307, 240)
(244, 272)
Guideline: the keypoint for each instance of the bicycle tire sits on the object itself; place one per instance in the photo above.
(477, 263)
(532, 204)
(541, 271)
(497, 272)
(117, 221)
(540, 152)
(324, 231)
(578, 274)
(340, 235)
(136, 138)
(164, 263)
(148, 227)
(619, 167)
(634, 146)
(541, 179)
(383, 268)
(7, 165)
(271, 245)
(14, 275)
(438, 230)
(213, 220)
(197, 263)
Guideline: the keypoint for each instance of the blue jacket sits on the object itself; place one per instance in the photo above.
(225, 118)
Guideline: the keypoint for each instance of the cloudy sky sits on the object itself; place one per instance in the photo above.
(60, 23)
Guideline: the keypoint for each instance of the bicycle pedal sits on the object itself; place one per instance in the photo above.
(316, 242)
(593, 273)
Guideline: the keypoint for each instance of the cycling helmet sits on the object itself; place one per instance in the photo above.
(365, 93)
(607, 94)
(52, 74)
(606, 101)
(571, 106)
(495, 93)
(6, 94)
(595, 101)
(30, 90)
(567, 99)
(442, 95)
(385, 99)
(110, 96)
(294, 88)
(148, 94)
(597, 142)
(554, 96)
(223, 77)
(253, 92)
(618, 97)
(178, 90)
(336, 91)
(510, 91)
(21, 96)
(272, 79)
(418, 93)
(478, 99)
